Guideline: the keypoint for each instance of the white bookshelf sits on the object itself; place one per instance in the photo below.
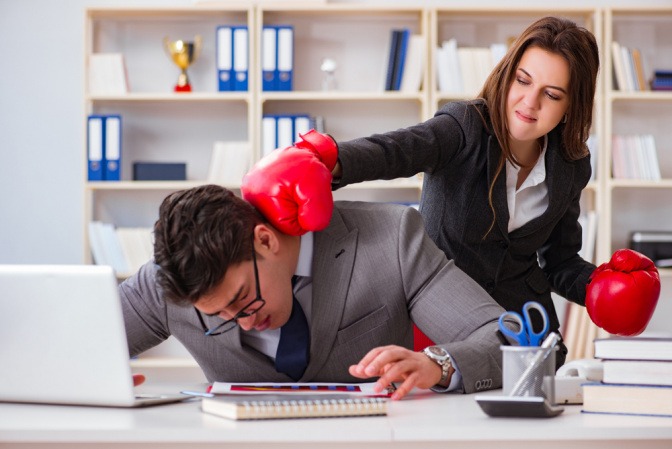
(161, 125)
(631, 204)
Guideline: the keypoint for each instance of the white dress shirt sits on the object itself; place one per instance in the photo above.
(530, 200)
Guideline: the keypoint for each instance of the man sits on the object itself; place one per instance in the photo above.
(221, 269)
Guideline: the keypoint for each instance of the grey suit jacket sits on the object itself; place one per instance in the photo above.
(459, 155)
(375, 271)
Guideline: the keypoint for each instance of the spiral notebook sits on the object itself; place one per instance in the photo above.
(292, 406)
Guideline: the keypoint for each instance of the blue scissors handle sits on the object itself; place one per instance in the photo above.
(525, 335)
(520, 336)
(535, 338)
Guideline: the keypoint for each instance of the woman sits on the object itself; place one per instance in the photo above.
(504, 173)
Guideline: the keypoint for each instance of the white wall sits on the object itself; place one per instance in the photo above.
(41, 121)
(41, 129)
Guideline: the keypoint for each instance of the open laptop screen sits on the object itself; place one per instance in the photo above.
(62, 336)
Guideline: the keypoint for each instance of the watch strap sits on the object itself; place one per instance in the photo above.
(445, 370)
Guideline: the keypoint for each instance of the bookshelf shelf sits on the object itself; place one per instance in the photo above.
(340, 96)
(148, 185)
(640, 184)
(639, 96)
(176, 97)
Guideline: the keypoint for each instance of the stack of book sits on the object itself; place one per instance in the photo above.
(463, 70)
(635, 157)
(405, 62)
(637, 377)
(124, 249)
(662, 80)
(628, 68)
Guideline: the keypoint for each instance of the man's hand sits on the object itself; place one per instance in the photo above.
(397, 364)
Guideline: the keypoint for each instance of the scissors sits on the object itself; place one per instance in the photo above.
(526, 336)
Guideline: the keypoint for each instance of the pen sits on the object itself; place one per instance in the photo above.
(198, 393)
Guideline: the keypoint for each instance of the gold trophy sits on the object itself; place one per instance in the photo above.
(183, 54)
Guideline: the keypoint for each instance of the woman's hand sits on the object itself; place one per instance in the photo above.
(397, 364)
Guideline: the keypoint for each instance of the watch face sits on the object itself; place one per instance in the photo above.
(437, 352)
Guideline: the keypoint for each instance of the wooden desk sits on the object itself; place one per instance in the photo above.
(427, 421)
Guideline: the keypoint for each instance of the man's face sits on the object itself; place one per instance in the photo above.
(237, 289)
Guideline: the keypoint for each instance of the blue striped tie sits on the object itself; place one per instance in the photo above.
(293, 349)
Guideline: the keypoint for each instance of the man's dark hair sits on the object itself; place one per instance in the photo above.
(199, 234)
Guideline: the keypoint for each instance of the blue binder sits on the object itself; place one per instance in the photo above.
(112, 148)
(405, 36)
(240, 58)
(224, 58)
(392, 59)
(269, 58)
(285, 64)
(95, 143)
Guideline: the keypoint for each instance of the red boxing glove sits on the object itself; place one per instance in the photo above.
(291, 187)
(623, 293)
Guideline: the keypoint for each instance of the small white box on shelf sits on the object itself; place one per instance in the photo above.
(107, 74)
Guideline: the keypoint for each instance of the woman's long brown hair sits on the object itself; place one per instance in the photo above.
(578, 47)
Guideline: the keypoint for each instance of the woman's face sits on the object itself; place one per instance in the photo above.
(538, 96)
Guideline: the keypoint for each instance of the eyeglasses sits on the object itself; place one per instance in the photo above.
(249, 310)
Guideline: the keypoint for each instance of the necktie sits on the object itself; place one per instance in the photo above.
(293, 349)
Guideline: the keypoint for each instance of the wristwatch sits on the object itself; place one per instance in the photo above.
(439, 355)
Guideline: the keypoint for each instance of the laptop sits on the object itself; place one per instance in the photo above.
(62, 338)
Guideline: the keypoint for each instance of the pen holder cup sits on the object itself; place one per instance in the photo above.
(529, 371)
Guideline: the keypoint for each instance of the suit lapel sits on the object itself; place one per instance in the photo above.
(333, 260)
